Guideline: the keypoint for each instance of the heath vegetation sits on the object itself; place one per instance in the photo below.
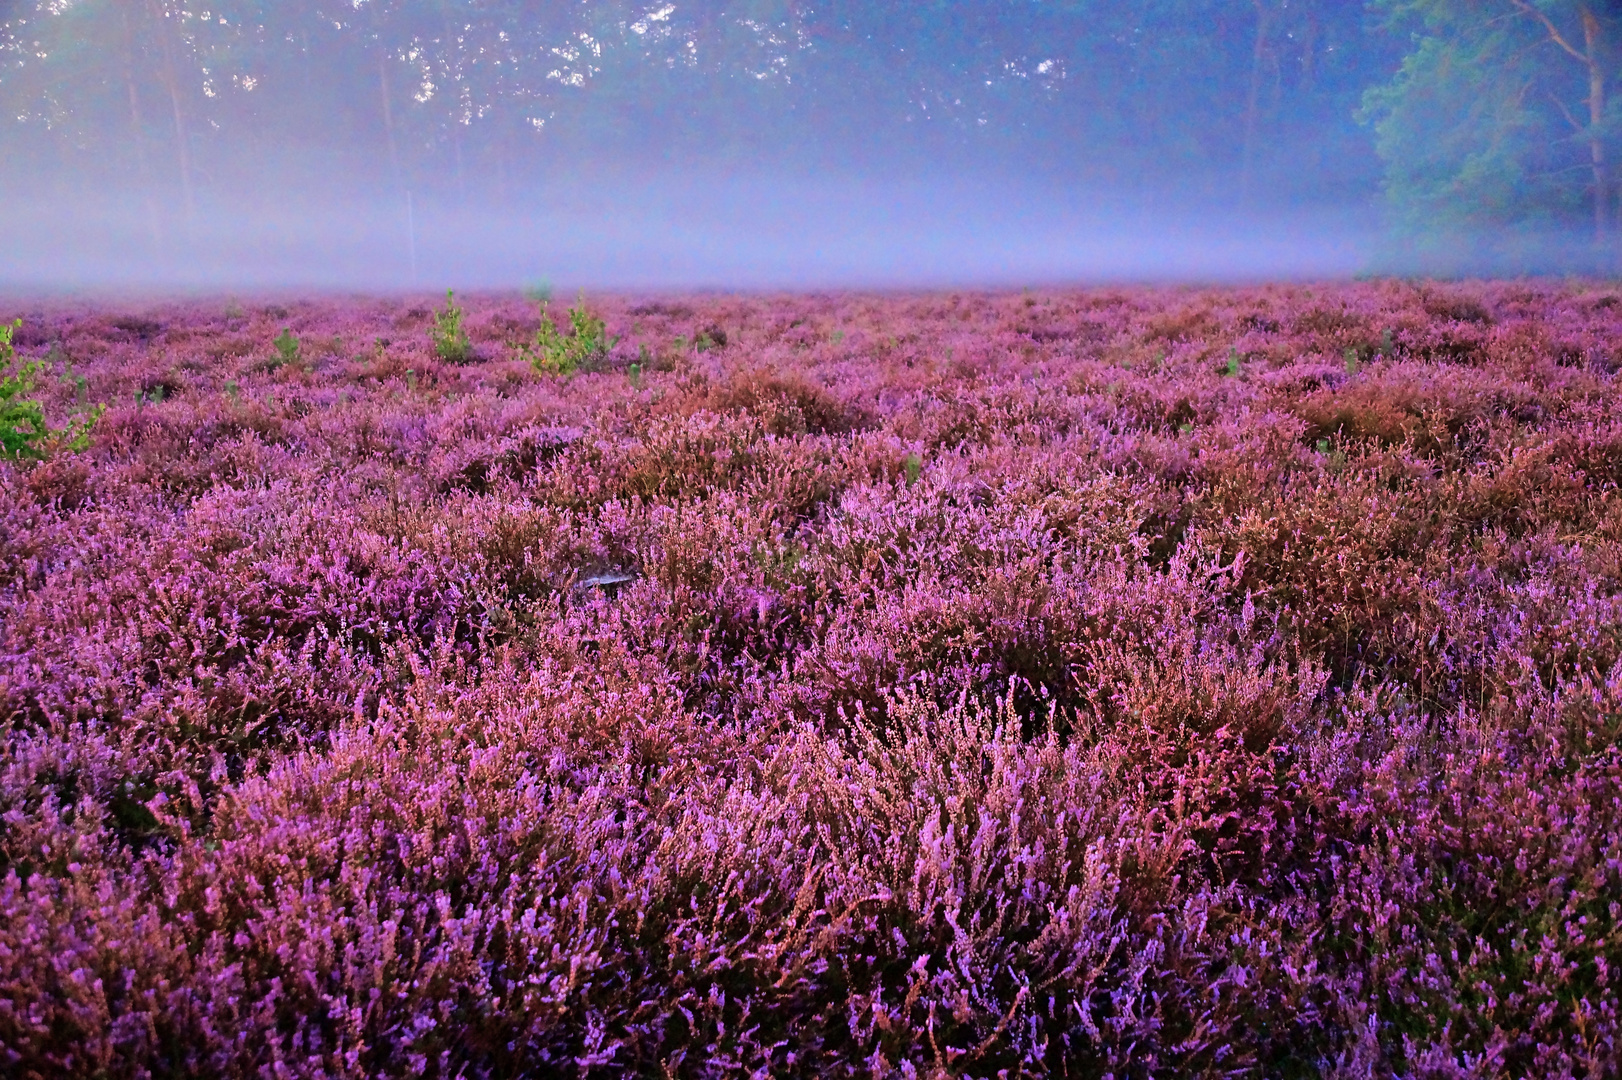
(1127, 682)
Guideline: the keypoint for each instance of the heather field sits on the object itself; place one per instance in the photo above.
(1097, 683)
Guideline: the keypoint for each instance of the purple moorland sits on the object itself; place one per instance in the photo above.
(1093, 683)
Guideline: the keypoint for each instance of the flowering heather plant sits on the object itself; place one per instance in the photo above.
(966, 685)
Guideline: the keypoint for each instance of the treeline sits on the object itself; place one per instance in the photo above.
(1489, 117)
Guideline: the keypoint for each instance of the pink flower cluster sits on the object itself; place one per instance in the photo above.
(1118, 683)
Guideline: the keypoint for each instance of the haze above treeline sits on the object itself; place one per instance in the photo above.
(777, 142)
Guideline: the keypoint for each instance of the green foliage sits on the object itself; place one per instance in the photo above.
(1351, 361)
(1484, 131)
(450, 339)
(1233, 361)
(914, 466)
(24, 433)
(287, 347)
(554, 352)
(22, 420)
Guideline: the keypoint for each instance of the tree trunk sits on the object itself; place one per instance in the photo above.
(172, 84)
(1596, 139)
(138, 134)
(1253, 101)
(388, 114)
(453, 54)
(1309, 54)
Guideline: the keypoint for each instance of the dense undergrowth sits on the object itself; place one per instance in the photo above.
(1132, 683)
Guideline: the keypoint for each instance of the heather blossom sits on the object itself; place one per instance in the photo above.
(1113, 683)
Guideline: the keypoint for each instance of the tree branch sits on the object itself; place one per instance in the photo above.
(1572, 120)
(1554, 31)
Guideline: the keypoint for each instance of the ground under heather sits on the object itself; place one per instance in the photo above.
(1134, 683)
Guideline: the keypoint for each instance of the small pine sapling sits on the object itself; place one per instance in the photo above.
(287, 347)
(450, 338)
(553, 352)
(590, 333)
(549, 353)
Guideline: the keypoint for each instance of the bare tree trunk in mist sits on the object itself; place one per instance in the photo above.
(1309, 54)
(385, 94)
(1596, 142)
(452, 42)
(1253, 101)
(172, 83)
(456, 147)
(388, 114)
(138, 131)
(503, 183)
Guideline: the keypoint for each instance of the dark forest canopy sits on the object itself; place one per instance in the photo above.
(1492, 117)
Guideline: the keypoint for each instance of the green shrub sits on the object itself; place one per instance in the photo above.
(554, 352)
(287, 347)
(23, 431)
(451, 342)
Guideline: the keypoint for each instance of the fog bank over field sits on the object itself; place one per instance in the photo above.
(751, 233)
(761, 143)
